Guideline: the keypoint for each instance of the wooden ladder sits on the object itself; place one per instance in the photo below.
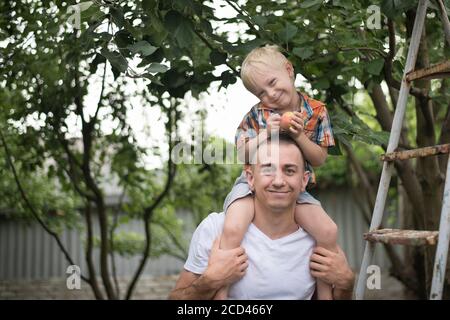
(411, 237)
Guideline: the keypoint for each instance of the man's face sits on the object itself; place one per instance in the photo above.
(278, 176)
(275, 86)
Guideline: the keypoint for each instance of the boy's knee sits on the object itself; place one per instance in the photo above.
(329, 234)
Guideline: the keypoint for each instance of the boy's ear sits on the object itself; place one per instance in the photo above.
(290, 69)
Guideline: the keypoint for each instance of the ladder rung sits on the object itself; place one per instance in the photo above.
(440, 70)
(416, 153)
(404, 237)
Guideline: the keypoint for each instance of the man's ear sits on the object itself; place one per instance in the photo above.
(305, 180)
(249, 174)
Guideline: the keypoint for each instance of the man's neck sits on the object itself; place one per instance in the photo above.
(275, 225)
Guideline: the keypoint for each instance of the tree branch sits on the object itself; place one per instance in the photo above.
(148, 212)
(175, 241)
(31, 208)
(205, 41)
(89, 243)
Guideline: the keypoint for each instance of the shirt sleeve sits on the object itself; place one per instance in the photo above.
(200, 247)
(324, 135)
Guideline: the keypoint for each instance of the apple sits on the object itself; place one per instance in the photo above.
(285, 122)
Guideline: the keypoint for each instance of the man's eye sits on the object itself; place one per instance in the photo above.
(290, 171)
(267, 170)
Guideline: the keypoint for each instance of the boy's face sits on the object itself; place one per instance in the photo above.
(275, 87)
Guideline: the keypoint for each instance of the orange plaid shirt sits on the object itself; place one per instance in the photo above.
(317, 126)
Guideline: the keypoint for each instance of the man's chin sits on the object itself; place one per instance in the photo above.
(277, 206)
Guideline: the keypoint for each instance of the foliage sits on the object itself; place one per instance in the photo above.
(61, 141)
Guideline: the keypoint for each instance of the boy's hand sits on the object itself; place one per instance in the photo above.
(273, 123)
(297, 124)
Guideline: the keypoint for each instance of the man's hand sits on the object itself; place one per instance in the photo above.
(297, 125)
(225, 266)
(332, 268)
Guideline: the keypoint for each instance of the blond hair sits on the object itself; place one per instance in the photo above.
(268, 56)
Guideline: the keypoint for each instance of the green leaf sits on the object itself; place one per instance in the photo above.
(184, 34)
(394, 8)
(153, 79)
(116, 59)
(375, 66)
(172, 19)
(118, 17)
(323, 83)
(94, 64)
(217, 57)
(142, 47)
(310, 3)
(227, 78)
(303, 53)
(260, 20)
(157, 68)
(346, 4)
(288, 32)
(336, 149)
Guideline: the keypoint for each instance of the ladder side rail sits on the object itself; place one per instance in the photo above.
(399, 114)
(440, 259)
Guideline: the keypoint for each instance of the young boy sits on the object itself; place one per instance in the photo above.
(270, 76)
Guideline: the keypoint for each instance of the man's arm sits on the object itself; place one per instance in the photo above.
(333, 268)
(224, 268)
(191, 286)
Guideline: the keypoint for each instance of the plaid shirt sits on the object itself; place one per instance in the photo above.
(317, 126)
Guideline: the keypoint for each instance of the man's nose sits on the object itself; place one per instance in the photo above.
(278, 179)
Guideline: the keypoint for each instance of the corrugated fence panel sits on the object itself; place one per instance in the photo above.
(27, 252)
(342, 208)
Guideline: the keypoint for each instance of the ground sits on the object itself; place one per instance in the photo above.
(148, 288)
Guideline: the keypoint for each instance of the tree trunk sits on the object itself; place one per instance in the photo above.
(428, 170)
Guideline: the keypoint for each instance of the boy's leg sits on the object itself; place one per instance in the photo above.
(238, 217)
(322, 228)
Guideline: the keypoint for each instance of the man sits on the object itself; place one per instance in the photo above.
(276, 261)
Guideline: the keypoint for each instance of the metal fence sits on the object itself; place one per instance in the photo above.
(28, 252)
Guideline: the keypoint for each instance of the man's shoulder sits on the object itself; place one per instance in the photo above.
(212, 223)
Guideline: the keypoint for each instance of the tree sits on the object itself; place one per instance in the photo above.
(173, 47)
(47, 67)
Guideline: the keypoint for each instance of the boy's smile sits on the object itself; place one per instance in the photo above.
(275, 87)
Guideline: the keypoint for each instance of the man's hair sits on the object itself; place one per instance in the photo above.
(269, 55)
(281, 138)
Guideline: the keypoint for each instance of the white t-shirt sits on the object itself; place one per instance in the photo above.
(278, 269)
